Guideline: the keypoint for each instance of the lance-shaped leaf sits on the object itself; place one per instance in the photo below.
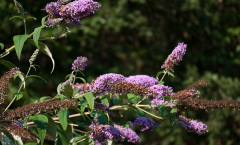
(36, 35)
(43, 47)
(63, 118)
(19, 41)
(90, 99)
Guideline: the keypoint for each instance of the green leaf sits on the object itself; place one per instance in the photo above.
(36, 76)
(132, 98)
(42, 124)
(90, 99)
(19, 41)
(68, 91)
(19, 96)
(64, 137)
(46, 51)
(43, 21)
(161, 82)
(7, 64)
(162, 109)
(52, 128)
(20, 17)
(104, 100)
(30, 17)
(2, 46)
(36, 35)
(171, 74)
(44, 97)
(63, 118)
(173, 111)
(159, 73)
(83, 104)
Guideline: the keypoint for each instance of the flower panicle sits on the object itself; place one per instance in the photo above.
(19, 131)
(185, 94)
(125, 87)
(192, 125)
(37, 108)
(207, 105)
(79, 64)
(82, 87)
(145, 123)
(175, 57)
(198, 84)
(4, 82)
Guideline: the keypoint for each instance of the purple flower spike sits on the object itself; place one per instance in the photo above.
(100, 133)
(83, 87)
(128, 134)
(79, 64)
(145, 123)
(53, 22)
(53, 9)
(104, 82)
(142, 80)
(74, 11)
(161, 90)
(192, 125)
(175, 57)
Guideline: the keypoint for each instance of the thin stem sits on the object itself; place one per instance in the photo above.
(25, 26)
(20, 88)
(80, 131)
(165, 72)
(81, 140)
(7, 51)
(149, 113)
(141, 100)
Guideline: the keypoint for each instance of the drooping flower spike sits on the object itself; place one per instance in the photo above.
(175, 57)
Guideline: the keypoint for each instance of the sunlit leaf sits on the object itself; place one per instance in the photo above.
(19, 41)
(19, 96)
(36, 35)
(90, 99)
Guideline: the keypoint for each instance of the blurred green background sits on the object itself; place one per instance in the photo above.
(135, 37)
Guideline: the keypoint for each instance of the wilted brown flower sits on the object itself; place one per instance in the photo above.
(124, 88)
(198, 84)
(4, 81)
(206, 105)
(184, 94)
(36, 108)
(19, 131)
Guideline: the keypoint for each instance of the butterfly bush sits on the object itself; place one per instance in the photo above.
(69, 12)
(95, 109)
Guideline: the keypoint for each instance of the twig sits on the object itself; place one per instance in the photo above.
(165, 72)
(149, 113)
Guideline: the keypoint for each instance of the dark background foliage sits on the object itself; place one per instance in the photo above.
(135, 37)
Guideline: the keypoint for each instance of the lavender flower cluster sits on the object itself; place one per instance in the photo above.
(142, 80)
(192, 125)
(175, 57)
(79, 64)
(70, 12)
(101, 133)
(145, 123)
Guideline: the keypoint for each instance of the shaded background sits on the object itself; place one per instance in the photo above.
(135, 37)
